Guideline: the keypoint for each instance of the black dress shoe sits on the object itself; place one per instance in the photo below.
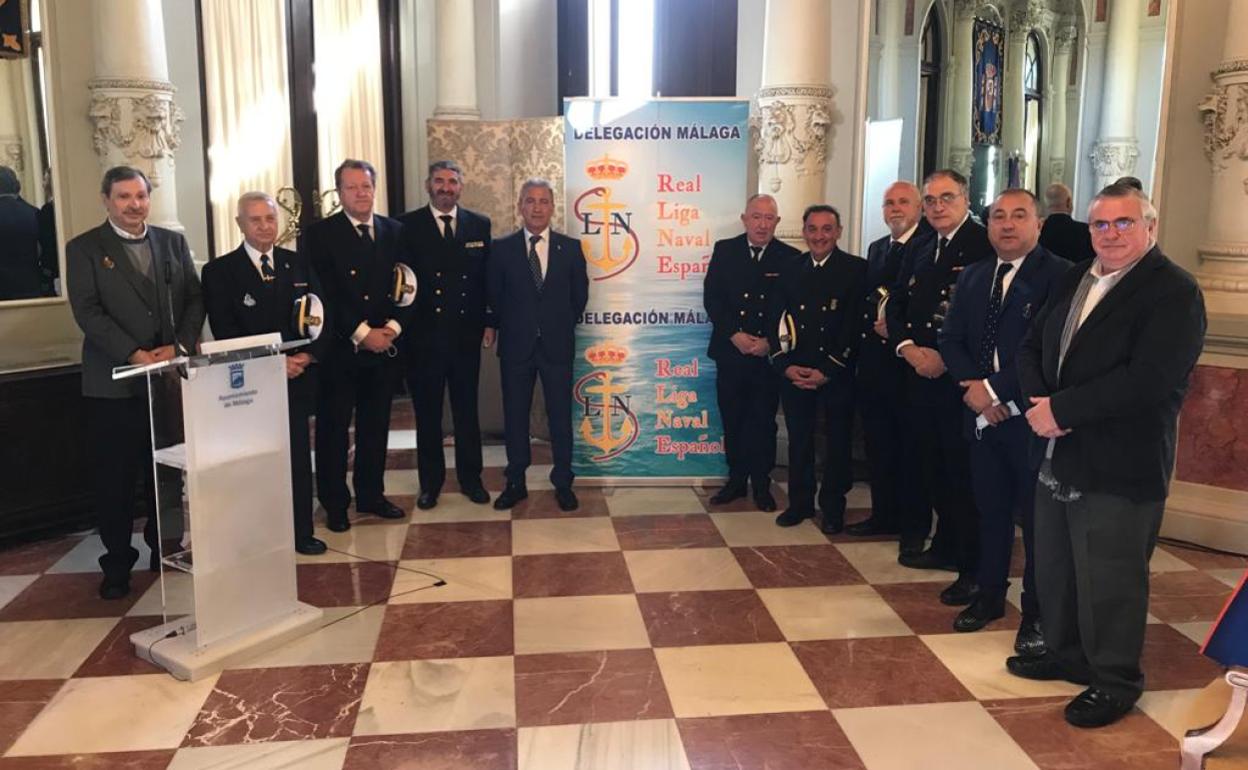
(426, 501)
(311, 546)
(384, 509)
(1029, 642)
(510, 496)
(871, 526)
(980, 613)
(1096, 708)
(476, 493)
(764, 502)
(928, 559)
(566, 499)
(337, 522)
(910, 548)
(791, 517)
(113, 590)
(832, 524)
(733, 490)
(1044, 668)
(962, 591)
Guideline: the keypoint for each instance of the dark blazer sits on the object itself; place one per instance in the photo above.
(924, 290)
(20, 275)
(1067, 238)
(736, 289)
(883, 268)
(825, 305)
(524, 313)
(451, 311)
(357, 279)
(1123, 378)
(120, 311)
(962, 334)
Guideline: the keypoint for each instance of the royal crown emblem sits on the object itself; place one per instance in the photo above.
(606, 169)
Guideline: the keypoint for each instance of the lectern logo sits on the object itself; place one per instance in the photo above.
(616, 246)
(236, 376)
(608, 422)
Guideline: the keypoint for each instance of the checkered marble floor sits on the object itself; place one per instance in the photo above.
(646, 631)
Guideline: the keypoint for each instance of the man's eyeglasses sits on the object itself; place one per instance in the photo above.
(945, 198)
(1122, 225)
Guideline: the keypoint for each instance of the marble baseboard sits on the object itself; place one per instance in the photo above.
(1210, 516)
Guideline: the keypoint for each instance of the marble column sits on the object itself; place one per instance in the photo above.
(1117, 149)
(1013, 127)
(1224, 252)
(136, 121)
(1058, 80)
(794, 108)
(962, 77)
(888, 71)
(457, 61)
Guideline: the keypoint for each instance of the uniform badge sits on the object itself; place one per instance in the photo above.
(474, 245)
(912, 280)
(1027, 311)
(248, 300)
(108, 263)
(832, 306)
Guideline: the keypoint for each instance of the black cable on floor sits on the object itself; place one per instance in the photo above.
(1198, 547)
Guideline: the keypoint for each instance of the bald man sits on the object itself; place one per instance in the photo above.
(1062, 234)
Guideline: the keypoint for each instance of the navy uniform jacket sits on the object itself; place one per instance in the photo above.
(876, 357)
(963, 331)
(924, 290)
(20, 274)
(451, 311)
(737, 289)
(524, 314)
(1123, 378)
(357, 278)
(824, 304)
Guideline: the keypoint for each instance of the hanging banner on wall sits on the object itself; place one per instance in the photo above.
(651, 185)
(989, 73)
(14, 28)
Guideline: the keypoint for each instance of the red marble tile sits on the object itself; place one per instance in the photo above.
(401, 459)
(351, 584)
(467, 750)
(692, 530)
(1201, 559)
(20, 702)
(446, 630)
(458, 539)
(797, 741)
(689, 618)
(570, 574)
(121, 760)
(280, 704)
(115, 655)
(541, 504)
(1181, 597)
(740, 505)
(791, 566)
(1171, 661)
(586, 687)
(881, 671)
(919, 605)
(73, 595)
(1213, 429)
(1018, 558)
(541, 453)
(34, 558)
(1037, 725)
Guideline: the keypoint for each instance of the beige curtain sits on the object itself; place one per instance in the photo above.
(349, 105)
(248, 106)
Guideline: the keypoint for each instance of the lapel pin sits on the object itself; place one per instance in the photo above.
(249, 300)
(108, 262)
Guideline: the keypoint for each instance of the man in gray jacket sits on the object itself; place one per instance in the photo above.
(134, 293)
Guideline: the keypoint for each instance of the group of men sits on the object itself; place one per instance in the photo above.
(998, 385)
(135, 294)
(30, 264)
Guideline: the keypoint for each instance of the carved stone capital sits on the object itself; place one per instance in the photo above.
(1112, 158)
(1065, 36)
(961, 159)
(795, 125)
(964, 10)
(1028, 15)
(13, 153)
(1057, 169)
(135, 121)
(1225, 110)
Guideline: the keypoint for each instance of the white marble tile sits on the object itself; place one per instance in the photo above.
(877, 562)
(12, 585)
(1197, 631)
(324, 754)
(722, 679)
(179, 598)
(930, 736)
(978, 661)
(115, 713)
(401, 438)
(49, 649)
(579, 623)
(859, 496)
(346, 635)
(832, 612)
(685, 569)
(1231, 577)
(85, 556)
(1174, 710)
(534, 536)
(754, 528)
(379, 542)
(468, 579)
(643, 501)
(652, 744)
(426, 696)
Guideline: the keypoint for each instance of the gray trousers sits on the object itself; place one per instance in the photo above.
(1092, 559)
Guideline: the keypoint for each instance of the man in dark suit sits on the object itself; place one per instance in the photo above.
(739, 282)
(1062, 235)
(1104, 368)
(448, 247)
(880, 390)
(135, 295)
(938, 451)
(20, 274)
(252, 290)
(819, 295)
(996, 300)
(538, 287)
(354, 253)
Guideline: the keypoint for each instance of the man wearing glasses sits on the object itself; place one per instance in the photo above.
(938, 448)
(1104, 368)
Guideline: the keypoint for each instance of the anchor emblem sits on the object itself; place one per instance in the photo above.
(608, 423)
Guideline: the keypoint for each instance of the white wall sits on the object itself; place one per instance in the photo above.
(751, 19)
